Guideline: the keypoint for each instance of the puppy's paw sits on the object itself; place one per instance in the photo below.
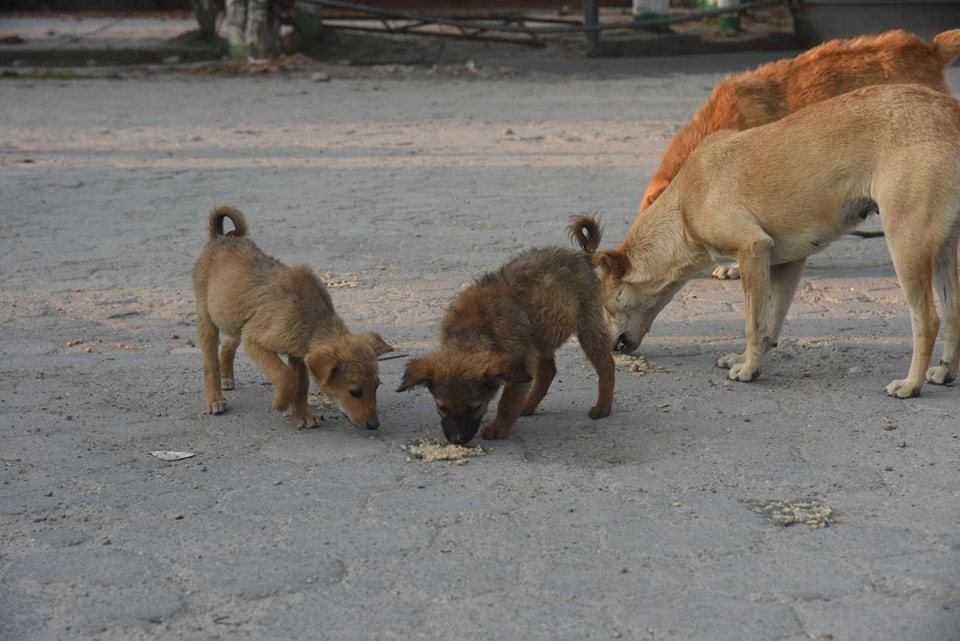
(743, 373)
(217, 407)
(940, 375)
(495, 431)
(280, 401)
(307, 420)
(727, 272)
(598, 412)
(730, 360)
(226, 383)
(903, 388)
(528, 410)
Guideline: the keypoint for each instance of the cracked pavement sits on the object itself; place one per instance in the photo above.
(398, 189)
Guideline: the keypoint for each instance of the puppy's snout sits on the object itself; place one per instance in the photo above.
(459, 430)
(459, 439)
(373, 424)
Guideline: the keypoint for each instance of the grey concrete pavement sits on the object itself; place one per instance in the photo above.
(399, 189)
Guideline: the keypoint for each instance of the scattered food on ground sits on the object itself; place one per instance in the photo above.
(638, 364)
(789, 512)
(434, 449)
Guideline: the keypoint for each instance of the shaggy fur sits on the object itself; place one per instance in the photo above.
(504, 330)
(773, 195)
(273, 309)
(773, 90)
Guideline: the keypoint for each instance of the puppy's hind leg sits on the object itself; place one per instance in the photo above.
(947, 284)
(228, 351)
(209, 337)
(546, 370)
(594, 337)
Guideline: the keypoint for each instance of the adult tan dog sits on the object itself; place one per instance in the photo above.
(771, 196)
(773, 90)
(273, 309)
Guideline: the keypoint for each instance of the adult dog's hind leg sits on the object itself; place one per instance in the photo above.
(783, 285)
(914, 266)
(947, 284)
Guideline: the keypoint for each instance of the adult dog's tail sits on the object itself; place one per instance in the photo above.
(946, 46)
(226, 211)
(585, 231)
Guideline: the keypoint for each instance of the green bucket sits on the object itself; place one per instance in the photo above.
(728, 22)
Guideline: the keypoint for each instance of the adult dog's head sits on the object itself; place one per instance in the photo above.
(633, 295)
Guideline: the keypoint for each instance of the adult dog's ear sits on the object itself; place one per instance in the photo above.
(418, 372)
(613, 263)
(507, 369)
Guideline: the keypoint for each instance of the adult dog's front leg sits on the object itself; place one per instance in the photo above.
(755, 276)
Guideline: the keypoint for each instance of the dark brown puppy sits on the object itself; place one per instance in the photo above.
(273, 309)
(508, 325)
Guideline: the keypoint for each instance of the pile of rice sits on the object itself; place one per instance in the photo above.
(789, 512)
(434, 449)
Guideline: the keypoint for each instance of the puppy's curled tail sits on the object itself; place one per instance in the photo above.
(226, 211)
(946, 46)
(585, 231)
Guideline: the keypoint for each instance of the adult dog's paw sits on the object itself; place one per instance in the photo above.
(903, 388)
(940, 375)
(740, 372)
(727, 272)
(730, 360)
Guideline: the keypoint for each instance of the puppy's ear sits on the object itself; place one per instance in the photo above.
(322, 364)
(379, 345)
(506, 369)
(418, 372)
(613, 263)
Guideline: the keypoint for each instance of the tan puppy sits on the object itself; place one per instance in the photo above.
(508, 325)
(774, 90)
(771, 196)
(273, 309)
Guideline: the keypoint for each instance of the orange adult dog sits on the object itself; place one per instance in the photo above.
(774, 90)
(771, 196)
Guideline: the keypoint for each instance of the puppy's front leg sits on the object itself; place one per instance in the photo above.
(755, 276)
(508, 410)
(299, 408)
(283, 378)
